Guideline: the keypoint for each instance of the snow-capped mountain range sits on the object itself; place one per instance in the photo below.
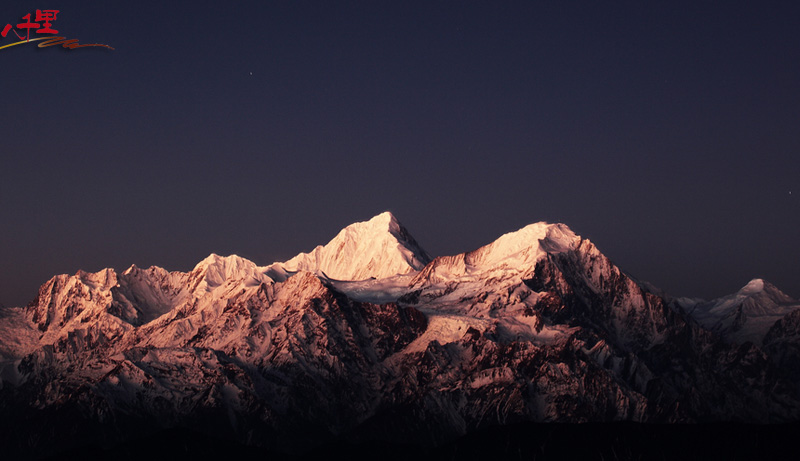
(369, 338)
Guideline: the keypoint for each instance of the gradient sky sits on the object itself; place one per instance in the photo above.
(668, 133)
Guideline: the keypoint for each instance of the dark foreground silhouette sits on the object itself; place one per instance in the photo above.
(594, 441)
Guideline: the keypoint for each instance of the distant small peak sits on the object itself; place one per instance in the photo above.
(753, 286)
(761, 287)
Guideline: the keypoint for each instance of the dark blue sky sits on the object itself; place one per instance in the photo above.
(666, 133)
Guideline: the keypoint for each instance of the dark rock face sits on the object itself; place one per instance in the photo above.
(782, 343)
(685, 372)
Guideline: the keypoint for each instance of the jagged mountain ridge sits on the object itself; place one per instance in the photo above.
(536, 326)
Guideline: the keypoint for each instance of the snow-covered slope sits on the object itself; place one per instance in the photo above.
(378, 248)
(142, 295)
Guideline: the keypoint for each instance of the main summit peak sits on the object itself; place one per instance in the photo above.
(377, 248)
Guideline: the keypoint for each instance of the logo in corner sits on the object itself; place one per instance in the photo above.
(46, 18)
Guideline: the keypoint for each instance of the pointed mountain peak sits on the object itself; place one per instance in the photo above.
(384, 222)
(760, 288)
(211, 260)
(753, 286)
(386, 217)
(525, 245)
(378, 248)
